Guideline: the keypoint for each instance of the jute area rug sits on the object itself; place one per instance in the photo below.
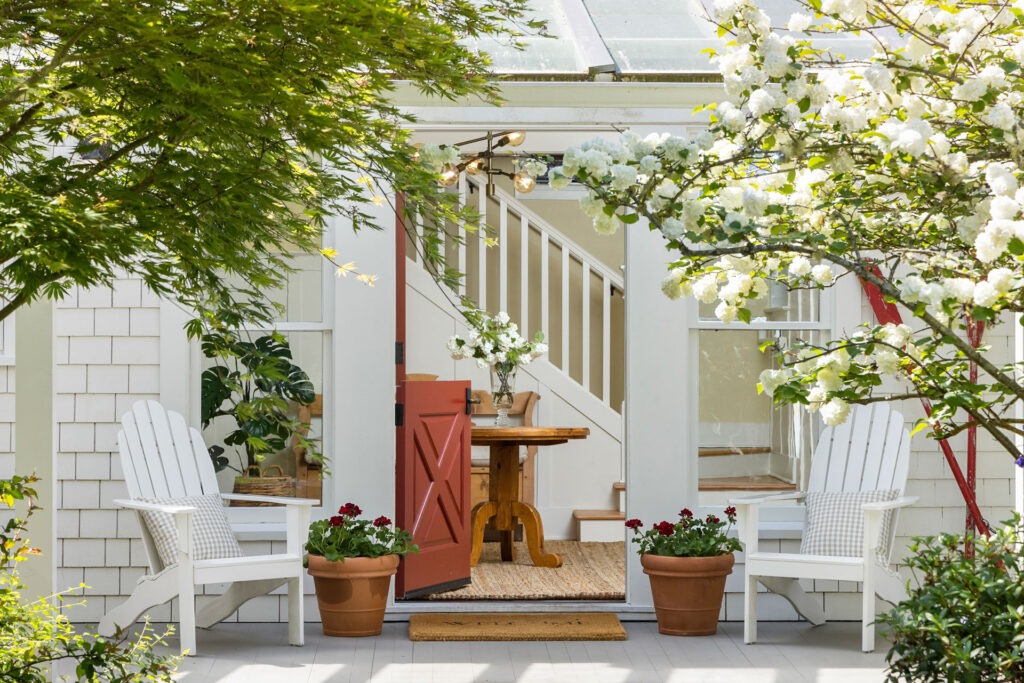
(589, 571)
(568, 626)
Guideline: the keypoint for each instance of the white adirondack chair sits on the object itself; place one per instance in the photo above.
(870, 451)
(163, 458)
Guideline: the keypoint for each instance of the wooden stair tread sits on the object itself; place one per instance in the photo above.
(709, 451)
(619, 486)
(756, 482)
(599, 515)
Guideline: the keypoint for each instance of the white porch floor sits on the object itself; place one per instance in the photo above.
(787, 653)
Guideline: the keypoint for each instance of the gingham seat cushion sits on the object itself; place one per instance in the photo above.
(211, 534)
(835, 523)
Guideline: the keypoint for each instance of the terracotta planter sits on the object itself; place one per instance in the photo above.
(352, 594)
(687, 592)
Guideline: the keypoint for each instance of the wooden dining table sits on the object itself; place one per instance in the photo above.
(504, 504)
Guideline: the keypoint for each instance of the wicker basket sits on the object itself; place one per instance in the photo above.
(262, 485)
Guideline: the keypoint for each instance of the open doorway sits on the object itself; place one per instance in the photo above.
(546, 281)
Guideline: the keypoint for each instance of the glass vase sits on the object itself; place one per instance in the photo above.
(503, 388)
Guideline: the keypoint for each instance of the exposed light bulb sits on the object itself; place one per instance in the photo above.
(513, 138)
(449, 176)
(523, 182)
(476, 166)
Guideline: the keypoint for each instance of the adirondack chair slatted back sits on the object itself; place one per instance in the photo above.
(870, 451)
(162, 456)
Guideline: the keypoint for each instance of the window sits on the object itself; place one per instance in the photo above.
(745, 444)
(305, 324)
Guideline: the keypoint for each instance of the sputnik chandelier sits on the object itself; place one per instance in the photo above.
(524, 178)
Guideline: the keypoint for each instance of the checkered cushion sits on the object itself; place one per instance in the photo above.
(211, 533)
(835, 523)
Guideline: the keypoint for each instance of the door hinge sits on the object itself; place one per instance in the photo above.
(399, 414)
(399, 353)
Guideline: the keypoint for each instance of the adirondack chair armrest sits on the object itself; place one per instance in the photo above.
(297, 513)
(748, 513)
(873, 513)
(902, 501)
(153, 507)
(770, 498)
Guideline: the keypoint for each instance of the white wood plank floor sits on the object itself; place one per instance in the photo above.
(786, 653)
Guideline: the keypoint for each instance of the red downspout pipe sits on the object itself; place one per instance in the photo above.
(886, 313)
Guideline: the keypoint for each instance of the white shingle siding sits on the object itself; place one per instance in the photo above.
(99, 368)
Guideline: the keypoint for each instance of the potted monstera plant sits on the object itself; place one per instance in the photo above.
(256, 383)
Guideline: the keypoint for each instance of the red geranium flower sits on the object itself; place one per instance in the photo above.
(381, 521)
(336, 520)
(350, 510)
(665, 528)
(634, 524)
(730, 511)
(685, 512)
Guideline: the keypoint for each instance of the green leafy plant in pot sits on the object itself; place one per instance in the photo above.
(256, 383)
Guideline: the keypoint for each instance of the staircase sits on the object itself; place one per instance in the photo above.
(545, 282)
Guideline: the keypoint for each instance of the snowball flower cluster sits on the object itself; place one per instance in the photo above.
(494, 340)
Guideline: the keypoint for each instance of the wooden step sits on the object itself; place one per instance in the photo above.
(599, 515)
(710, 451)
(600, 525)
(755, 482)
(619, 486)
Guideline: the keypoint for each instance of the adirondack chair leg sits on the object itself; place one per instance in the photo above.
(149, 592)
(868, 611)
(803, 603)
(219, 609)
(750, 611)
(868, 623)
(187, 613)
(296, 626)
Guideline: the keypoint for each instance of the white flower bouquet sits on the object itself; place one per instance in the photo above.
(495, 340)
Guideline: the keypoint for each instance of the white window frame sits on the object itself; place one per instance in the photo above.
(181, 390)
(777, 521)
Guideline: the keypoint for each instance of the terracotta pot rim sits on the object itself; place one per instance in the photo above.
(353, 566)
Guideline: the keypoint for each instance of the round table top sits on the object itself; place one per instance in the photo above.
(540, 436)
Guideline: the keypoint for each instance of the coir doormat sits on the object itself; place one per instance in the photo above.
(555, 626)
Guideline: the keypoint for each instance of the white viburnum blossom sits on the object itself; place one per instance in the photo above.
(725, 312)
(961, 289)
(1001, 279)
(887, 361)
(770, 380)
(822, 274)
(1001, 116)
(798, 22)
(829, 379)
(557, 178)
(800, 266)
(1000, 178)
(895, 335)
(815, 397)
(705, 289)
(623, 176)
(674, 285)
(835, 412)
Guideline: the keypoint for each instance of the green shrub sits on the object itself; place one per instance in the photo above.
(35, 636)
(965, 621)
